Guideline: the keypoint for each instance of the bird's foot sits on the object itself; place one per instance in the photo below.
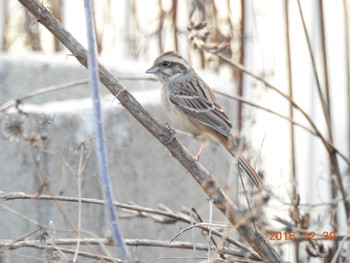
(172, 132)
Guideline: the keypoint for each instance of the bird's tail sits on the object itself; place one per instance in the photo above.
(249, 170)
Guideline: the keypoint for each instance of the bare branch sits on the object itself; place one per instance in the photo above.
(97, 241)
(139, 210)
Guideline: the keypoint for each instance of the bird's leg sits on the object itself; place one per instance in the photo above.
(198, 155)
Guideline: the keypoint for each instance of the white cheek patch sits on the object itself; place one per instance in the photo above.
(174, 76)
(168, 71)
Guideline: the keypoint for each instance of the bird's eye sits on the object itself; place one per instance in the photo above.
(165, 63)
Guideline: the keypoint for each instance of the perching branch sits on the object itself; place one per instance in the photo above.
(208, 183)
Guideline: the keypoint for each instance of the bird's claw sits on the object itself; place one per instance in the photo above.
(172, 132)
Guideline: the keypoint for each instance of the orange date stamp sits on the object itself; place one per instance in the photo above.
(326, 235)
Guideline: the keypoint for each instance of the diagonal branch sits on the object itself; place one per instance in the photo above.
(198, 172)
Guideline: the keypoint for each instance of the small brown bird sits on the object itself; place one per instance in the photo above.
(192, 106)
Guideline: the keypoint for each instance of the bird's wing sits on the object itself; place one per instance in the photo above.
(200, 104)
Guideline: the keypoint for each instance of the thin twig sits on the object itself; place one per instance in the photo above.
(347, 61)
(193, 210)
(291, 116)
(313, 132)
(242, 59)
(22, 216)
(100, 137)
(79, 175)
(21, 238)
(38, 245)
(40, 171)
(208, 225)
(341, 246)
(333, 184)
(325, 108)
(210, 228)
(10, 103)
(4, 105)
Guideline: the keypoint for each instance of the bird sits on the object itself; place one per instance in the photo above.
(192, 106)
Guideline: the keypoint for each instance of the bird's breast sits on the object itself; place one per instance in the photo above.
(181, 120)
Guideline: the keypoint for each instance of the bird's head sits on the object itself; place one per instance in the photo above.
(168, 66)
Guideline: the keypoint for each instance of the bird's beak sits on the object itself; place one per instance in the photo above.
(152, 70)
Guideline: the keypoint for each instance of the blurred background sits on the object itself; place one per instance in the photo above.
(291, 107)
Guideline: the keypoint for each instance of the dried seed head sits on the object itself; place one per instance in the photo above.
(31, 128)
(12, 127)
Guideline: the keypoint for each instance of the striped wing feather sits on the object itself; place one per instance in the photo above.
(200, 104)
